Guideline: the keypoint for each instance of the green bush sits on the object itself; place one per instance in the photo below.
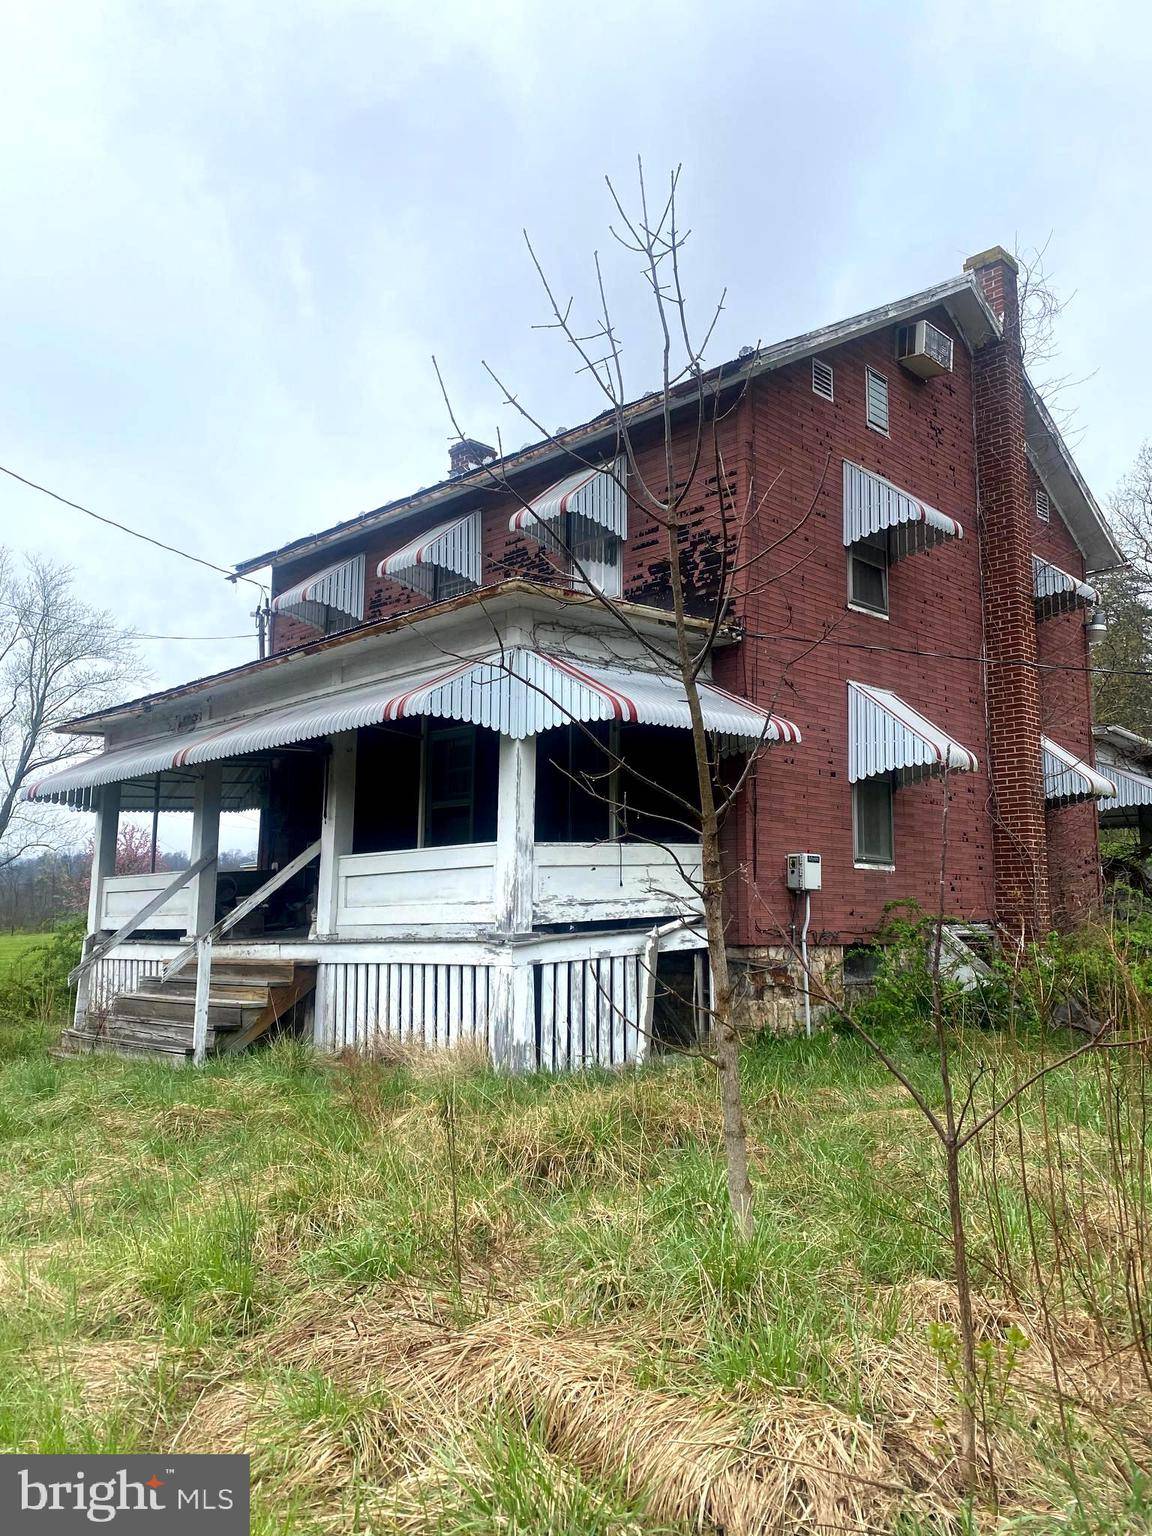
(35, 987)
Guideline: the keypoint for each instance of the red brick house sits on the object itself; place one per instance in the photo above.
(912, 604)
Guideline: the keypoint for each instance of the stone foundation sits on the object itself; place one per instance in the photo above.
(768, 984)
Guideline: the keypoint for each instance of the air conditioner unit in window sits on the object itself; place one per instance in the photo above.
(923, 349)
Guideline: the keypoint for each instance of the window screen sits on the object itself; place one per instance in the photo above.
(872, 821)
(868, 573)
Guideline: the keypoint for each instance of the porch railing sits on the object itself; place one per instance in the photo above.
(201, 946)
(178, 882)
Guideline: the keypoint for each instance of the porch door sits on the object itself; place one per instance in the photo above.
(449, 785)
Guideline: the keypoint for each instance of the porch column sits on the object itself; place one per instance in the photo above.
(336, 829)
(513, 1013)
(515, 835)
(104, 840)
(205, 840)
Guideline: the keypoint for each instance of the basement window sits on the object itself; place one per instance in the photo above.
(868, 573)
(876, 400)
(872, 841)
(822, 379)
(1043, 505)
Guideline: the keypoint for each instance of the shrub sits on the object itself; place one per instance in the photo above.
(35, 987)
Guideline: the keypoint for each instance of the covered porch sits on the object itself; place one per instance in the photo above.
(488, 820)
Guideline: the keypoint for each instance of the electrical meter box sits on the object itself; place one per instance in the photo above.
(803, 871)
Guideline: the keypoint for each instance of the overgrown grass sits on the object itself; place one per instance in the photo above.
(262, 1256)
(14, 946)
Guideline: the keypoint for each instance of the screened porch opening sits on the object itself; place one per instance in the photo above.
(607, 782)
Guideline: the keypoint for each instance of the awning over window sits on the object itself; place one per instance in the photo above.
(1131, 790)
(887, 736)
(453, 546)
(338, 590)
(519, 693)
(1068, 778)
(1058, 592)
(596, 495)
(873, 504)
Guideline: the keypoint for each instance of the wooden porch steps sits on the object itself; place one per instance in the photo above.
(246, 999)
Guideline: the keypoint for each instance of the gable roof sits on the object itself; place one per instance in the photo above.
(961, 296)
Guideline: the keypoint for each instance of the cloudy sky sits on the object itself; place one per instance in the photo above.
(234, 233)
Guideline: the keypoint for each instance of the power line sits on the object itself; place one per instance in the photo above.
(991, 661)
(134, 532)
(245, 636)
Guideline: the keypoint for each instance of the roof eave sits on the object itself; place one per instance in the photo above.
(1067, 486)
(961, 296)
(484, 600)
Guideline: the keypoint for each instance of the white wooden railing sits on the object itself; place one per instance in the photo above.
(201, 946)
(571, 882)
(138, 919)
(122, 895)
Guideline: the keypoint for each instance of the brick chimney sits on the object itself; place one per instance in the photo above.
(467, 453)
(1019, 845)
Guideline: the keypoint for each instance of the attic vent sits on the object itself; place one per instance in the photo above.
(1043, 506)
(822, 378)
(923, 349)
(876, 390)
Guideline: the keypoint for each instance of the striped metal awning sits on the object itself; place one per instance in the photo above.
(1068, 778)
(874, 505)
(1130, 789)
(1058, 592)
(453, 546)
(887, 736)
(518, 692)
(337, 590)
(595, 495)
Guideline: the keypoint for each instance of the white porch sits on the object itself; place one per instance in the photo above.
(425, 856)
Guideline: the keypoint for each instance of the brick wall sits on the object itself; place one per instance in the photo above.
(801, 797)
(1066, 716)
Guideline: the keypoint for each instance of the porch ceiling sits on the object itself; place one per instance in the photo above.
(518, 692)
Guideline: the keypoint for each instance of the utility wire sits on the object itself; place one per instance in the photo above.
(911, 650)
(135, 532)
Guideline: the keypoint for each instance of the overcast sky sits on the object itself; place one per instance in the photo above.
(234, 233)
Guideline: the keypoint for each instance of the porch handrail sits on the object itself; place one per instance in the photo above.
(139, 918)
(242, 909)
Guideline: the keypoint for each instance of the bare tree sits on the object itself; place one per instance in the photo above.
(665, 469)
(58, 658)
(1041, 306)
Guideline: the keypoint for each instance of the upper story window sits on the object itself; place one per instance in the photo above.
(876, 400)
(1043, 505)
(441, 563)
(583, 521)
(883, 524)
(331, 600)
(822, 379)
(868, 573)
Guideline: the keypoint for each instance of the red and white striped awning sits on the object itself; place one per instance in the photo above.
(1068, 778)
(873, 505)
(1130, 789)
(518, 692)
(887, 736)
(339, 589)
(453, 546)
(1058, 592)
(596, 495)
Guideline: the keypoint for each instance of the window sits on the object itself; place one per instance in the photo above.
(822, 378)
(872, 822)
(876, 399)
(868, 573)
(446, 584)
(1043, 506)
(595, 552)
(460, 785)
